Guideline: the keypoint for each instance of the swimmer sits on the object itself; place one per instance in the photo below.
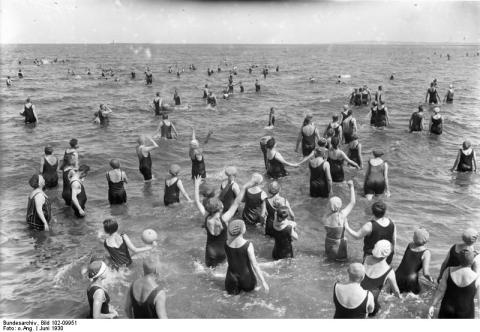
(355, 150)
(98, 298)
(211, 99)
(103, 114)
(133, 74)
(72, 151)
(378, 272)
(119, 246)
(379, 95)
(31, 116)
(308, 136)
(250, 70)
(392, 77)
(271, 117)
(376, 177)
(469, 237)
(243, 269)
(432, 95)
(196, 155)
(216, 222)
(416, 123)
(416, 258)
(39, 209)
(157, 104)
(165, 128)
(436, 122)
(366, 95)
(242, 89)
(350, 299)
(334, 223)
(257, 86)
(275, 162)
(379, 228)
(381, 116)
(173, 187)
(320, 177)
(336, 158)
(79, 196)
(148, 76)
(49, 167)
(146, 298)
(88, 71)
(284, 232)
(20, 74)
(205, 92)
(8, 81)
(349, 126)
(277, 69)
(466, 160)
(457, 289)
(272, 204)
(254, 211)
(372, 114)
(336, 126)
(116, 179)
(229, 189)
(176, 98)
(67, 166)
(144, 157)
(449, 95)
(263, 147)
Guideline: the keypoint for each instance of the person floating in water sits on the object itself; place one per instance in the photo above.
(432, 94)
(29, 113)
(271, 117)
(466, 160)
(436, 122)
(133, 74)
(416, 123)
(257, 86)
(176, 98)
(449, 95)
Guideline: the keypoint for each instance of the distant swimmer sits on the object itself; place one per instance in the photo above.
(173, 187)
(379, 95)
(334, 223)
(312, 79)
(79, 195)
(29, 113)
(466, 159)
(116, 179)
(211, 99)
(8, 81)
(39, 209)
(308, 136)
(351, 299)
(392, 77)
(416, 257)
(355, 150)
(320, 177)
(157, 104)
(449, 95)
(205, 92)
(133, 74)
(257, 86)
(436, 122)
(271, 117)
(376, 177)
(284, 231)
(49, 168)
(102, 116)
(89, 72)
(176, 98)
(432, 95)
(148, 76)
(416, 123)
(250, 70)
(119, 246)
(178, 74)
(20, 74)
(144, 157)
(166, 129)
(356, 97)
(242, 89)
(277, 69)
(145, 297)
(98, 298)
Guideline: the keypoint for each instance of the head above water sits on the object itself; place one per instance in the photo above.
(377, 153)
(271, 143)
(274, 188)
(335, 204)
(115, 164)
(151, 265)
(420, 236)
(335, 118)
(141, 140)
(436, 110)
(36, 181)
(379, 209)
(282, 213)
(345, 107)
(382, 249)
(356, 272)
(174, 169)
(164, 116)
(320, 152)
(73, 143)
(469, 236)
(158, 94)
(236, 227)
(96, 270)
(48, 150)
(110, 226)
(230, 171)
(213, 205)
(322, 142)
(466, 144)
(257, 179)
(420, 108)
(335, 142)
(27, 100)
(83, 170)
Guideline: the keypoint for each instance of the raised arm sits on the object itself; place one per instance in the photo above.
(197, 181)
(182, 190)
(256, 268)
(351, 204)
(132, 247)
(233, 208)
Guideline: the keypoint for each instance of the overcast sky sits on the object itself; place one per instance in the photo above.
(158, 21)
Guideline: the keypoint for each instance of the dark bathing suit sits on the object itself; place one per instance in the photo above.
(166, 131)
(120, 256)
(375, 285)
(283, 243)
(28, 113)
(157, 106)
(50, 174)
(275, 168)
(374, 180)
(416, 122)
(116, 190)
(355, 313)
(145, 166)
(240, 275)
(318, 181)
(308, 143)
(348, 130)
(466, 162)
(81, 198)
(381, 118)
(379, 233)
(373, 116)
(67, 189)
(432, 96)
(215, 248)
(354, 154)
(172, 193)
(271, 211)
(454, 257)
(253, 207)
(336, 169)
(458, 302)
(146, 309)
(407, 272)
(198, 167)
(227, 196)
(90, 293)
(33, 220)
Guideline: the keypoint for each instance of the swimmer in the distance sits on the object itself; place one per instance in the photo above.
(8, 81)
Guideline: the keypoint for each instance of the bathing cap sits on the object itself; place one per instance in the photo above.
(194, 144)
(377, 153)
(466, 144)
(73, 142)
(207, 190)
(114, 163)
(213, 205)
(48, 149)
(382, 249)
(469, 236)
(335, 204)
(96, 269)
(257, 178)
(356, 272)
(230, 170)
(420, 236)
(436, 109)
(174, 169)
(466, 257)
(236, 227)
(274, 188)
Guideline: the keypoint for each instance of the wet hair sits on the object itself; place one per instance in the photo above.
(466, 145)
(420, 108)
(110, 226)
(330, 132)
(34, 181)
(335, 141)
(84, 169)
(282, 213)
(306, 121)
(378, 209)
(270, 143)
(320, 152)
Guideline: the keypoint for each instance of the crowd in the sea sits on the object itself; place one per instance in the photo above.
(326, 150)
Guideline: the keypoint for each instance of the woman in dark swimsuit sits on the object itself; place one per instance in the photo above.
(49, 167)
(116, 179)
(466, 160)
(376, 177)
(355, 151)
(336, 157)
(432, 95)
(98, 298)
(308, 136)
(320, 177)
(39, 210)
(276, 163)
(284, 233)
(436, 122)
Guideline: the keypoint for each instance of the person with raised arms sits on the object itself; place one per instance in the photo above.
(102, 115)
(144, 157)
(196, 155)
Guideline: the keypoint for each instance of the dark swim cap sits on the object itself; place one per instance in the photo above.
(48, 149)
(73, 142)
(34, 181)
(282, 213)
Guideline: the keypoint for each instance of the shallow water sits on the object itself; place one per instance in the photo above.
(40, 273)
